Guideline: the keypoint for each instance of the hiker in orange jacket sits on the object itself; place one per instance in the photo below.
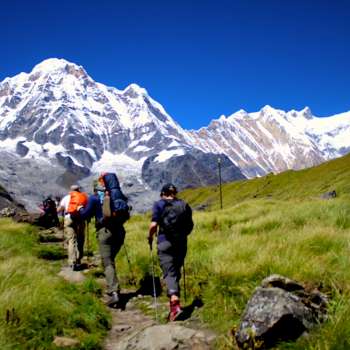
(74, 227)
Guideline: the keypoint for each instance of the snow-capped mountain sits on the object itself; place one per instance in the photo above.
(273, 140)
(57, 126)
(57, 116)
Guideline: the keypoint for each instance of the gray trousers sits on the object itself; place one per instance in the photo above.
(171, 258)
(110, 241)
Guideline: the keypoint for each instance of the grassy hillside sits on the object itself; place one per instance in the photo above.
(276, 224)
(303, 184)
(36, 305)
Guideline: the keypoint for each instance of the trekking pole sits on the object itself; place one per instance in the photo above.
(88, 243)
(129, 263)
(184, 273)
(154, 283)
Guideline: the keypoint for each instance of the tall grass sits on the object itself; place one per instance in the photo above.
(36, 305)
(232, 250)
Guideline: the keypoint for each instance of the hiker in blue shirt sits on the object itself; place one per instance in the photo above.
(110, 235)
(173, 218)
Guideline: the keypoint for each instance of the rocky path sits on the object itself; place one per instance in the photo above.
(132, 329)
(133, 324)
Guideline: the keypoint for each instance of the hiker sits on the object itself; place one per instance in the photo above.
(49, 217)
(172, 217)
(74, 225)
(110, 231)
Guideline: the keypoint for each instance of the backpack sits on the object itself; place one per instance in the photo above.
(77, 199)
(176, 219)
(49, 204)
(114, 202)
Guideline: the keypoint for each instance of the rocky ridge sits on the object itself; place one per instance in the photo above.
(59, 126)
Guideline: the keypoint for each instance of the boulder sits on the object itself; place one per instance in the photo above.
(279, 310)
(7, 212)
(169, 336)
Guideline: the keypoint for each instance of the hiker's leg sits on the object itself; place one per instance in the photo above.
(105, 242)
(179, 258)
(71, 239)
(118, 236)
(167, 264)
(117, 240)
(80, 241)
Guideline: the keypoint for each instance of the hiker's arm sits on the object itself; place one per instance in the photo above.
(152, 231)
(90, 209)
(152, 228)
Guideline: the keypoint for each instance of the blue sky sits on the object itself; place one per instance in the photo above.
(199, 59)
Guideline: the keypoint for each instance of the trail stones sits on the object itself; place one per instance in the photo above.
(329, 195)
(281, 309)
(64, 342)
(71, 276)
(168, 337)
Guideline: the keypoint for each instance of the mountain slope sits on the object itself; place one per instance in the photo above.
(303, 184)
(273, 140)
(58, 124)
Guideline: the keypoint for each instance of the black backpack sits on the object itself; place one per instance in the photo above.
(176, 219)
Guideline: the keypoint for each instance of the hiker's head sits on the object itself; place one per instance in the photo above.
(75, 188)
(98, 188)
(168, 190)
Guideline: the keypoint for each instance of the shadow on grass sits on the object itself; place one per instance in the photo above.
(188, 310)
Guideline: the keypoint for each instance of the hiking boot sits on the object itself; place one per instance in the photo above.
(76, 267)
(114, 299)
(175, 311)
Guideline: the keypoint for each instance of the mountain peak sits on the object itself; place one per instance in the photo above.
(52, 64)
(307, 113)
(268, 109)
(135, 89)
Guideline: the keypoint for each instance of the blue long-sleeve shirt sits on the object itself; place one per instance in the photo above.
(93, 208)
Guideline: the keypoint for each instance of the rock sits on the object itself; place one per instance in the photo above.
(71, 276)
(192, 169)
(281, 282)
(169, 336)
(53, 234)
(329, 195)
(8, 212)
(65, 342)
(281, 309)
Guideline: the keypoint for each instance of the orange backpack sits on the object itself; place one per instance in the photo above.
(77, 199)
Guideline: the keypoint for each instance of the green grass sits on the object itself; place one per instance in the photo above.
(276, 224)
(36, 305)
(232, 250)
(303, 184)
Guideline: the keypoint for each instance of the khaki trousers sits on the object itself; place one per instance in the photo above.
(75, 238)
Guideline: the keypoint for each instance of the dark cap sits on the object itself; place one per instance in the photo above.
(168, 188)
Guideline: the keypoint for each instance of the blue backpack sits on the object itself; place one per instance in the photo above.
(115, 203)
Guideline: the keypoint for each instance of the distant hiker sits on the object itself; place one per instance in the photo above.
(74, 225)
(108, 206)
(49, 217)
(173, 217)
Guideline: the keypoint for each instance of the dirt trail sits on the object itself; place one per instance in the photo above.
(133, 324)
